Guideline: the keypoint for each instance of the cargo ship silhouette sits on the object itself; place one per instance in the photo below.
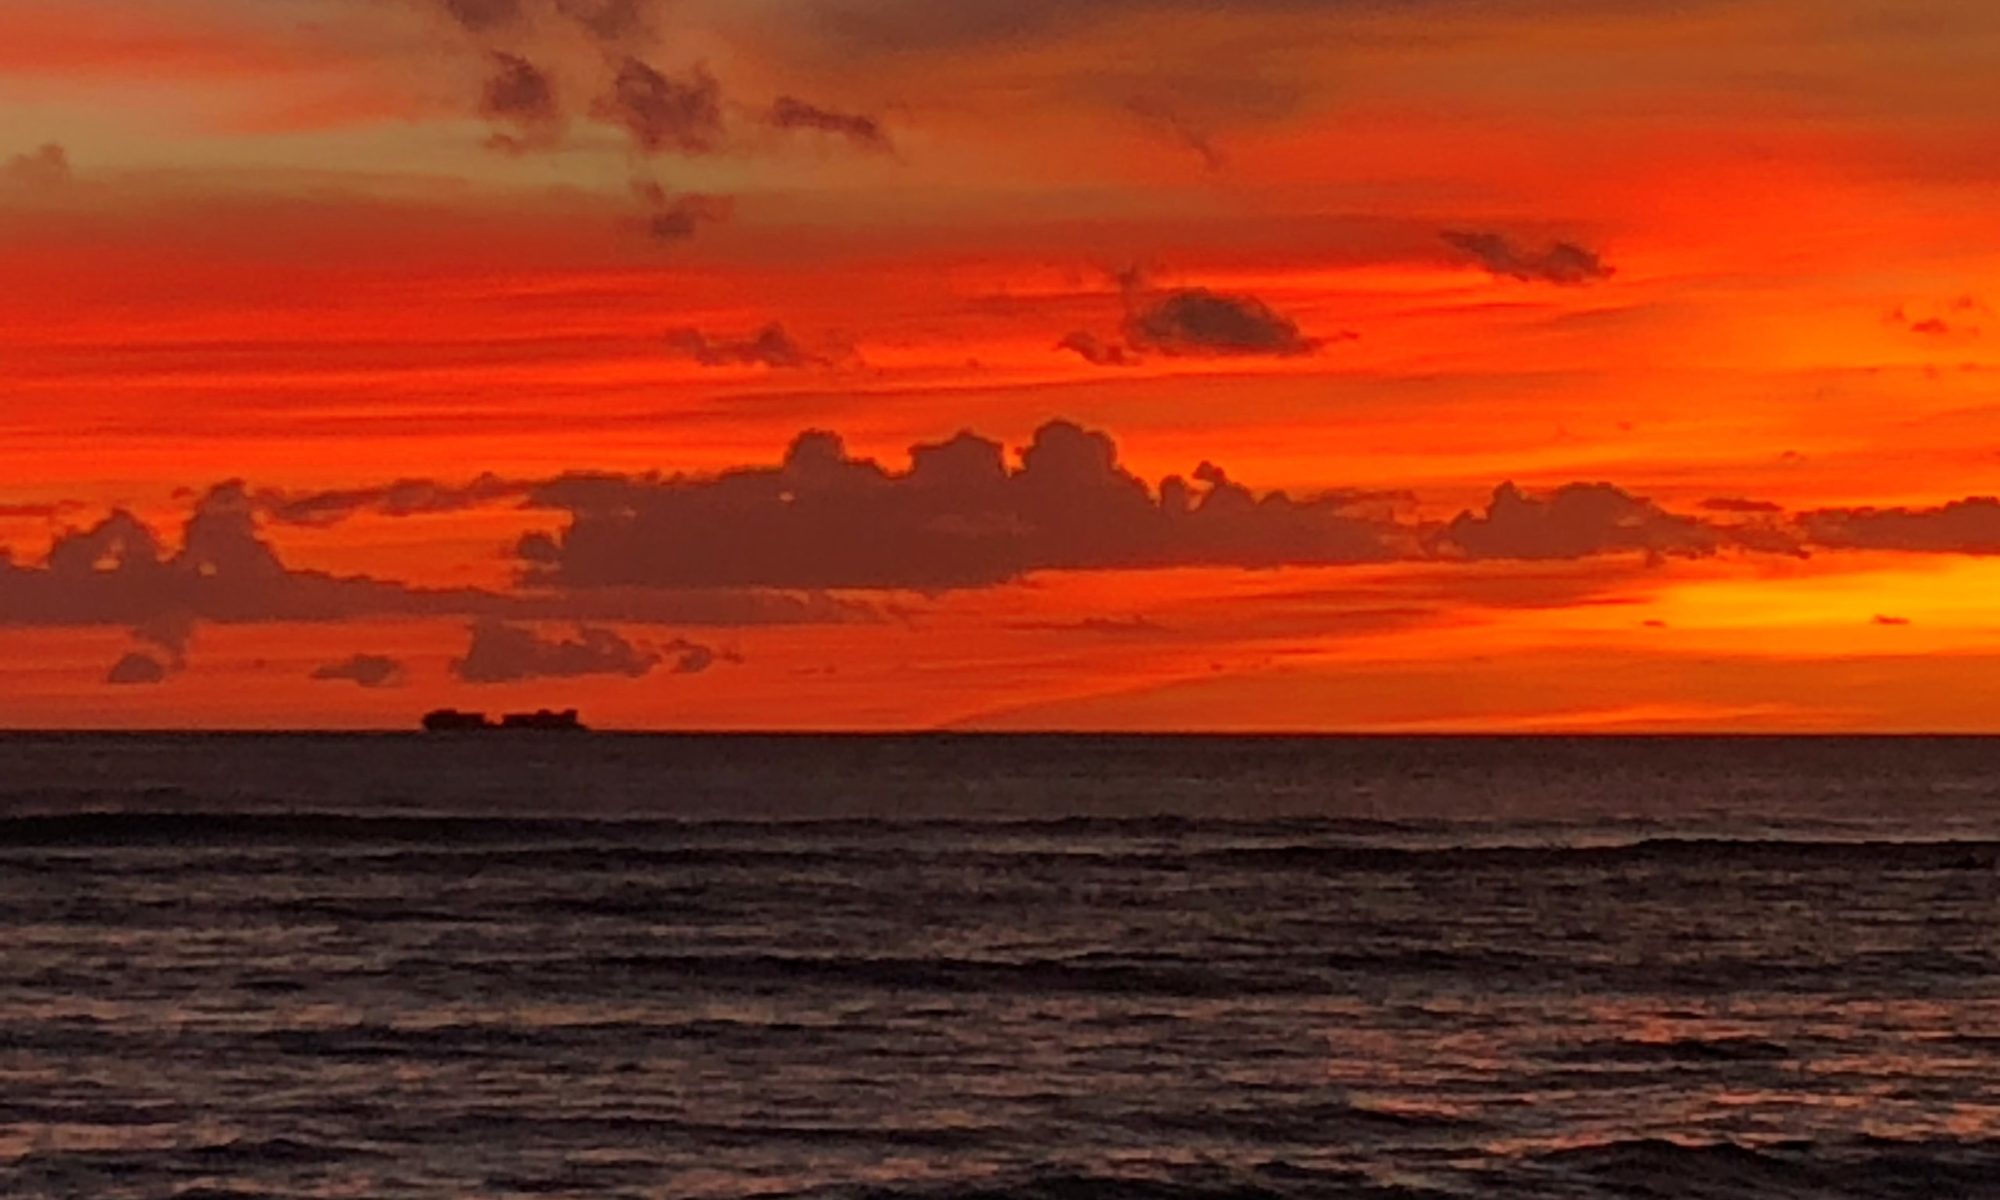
(451, 720)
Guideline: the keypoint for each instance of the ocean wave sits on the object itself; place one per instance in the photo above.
(1983, 855)
(1167, 844)
(1275, 1181)
(1866, 1169)
(126, 827)
(1693, 1051)
(81, 1167)
(1310, 1122)
(787, 972)
(168, 813)
(1870, 1169)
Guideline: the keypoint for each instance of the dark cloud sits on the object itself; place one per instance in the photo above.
(960, 516)
(770, 346)
(614, 22)
(1945, 321)
(1178, 128)
(906, 25)
(671, 218)
(973, 26)
(1563, 263)
(1108, 626)
(1578, 520)
(790, 112)
(1096, 351)
(46, 167)
(707, 607)
(768, 544)
(484, 16)
(171, 631)
(1881, 619)
(1196, 322)
(502, 653)
(117, 573)
(1733, 504)
(366, 670)
(1969, 526)
(665, 114)
(137, 669)
(38, 512)
(403, 498)
(689, 658)
(520, 97)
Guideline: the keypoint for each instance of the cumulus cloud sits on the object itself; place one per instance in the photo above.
(1196, 322)
(665, 114)
(1578, 520)
(521, 98)
(770, 346)
(671, 218)
(1564, 263)
(960, 516)
(136, 669)
(502, 653)
(792, 113)
(365, 670)
(1969, 526)
(118, 573)
(1096, 351)
(46, 167)
(780, 543)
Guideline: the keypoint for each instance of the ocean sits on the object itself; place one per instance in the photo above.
(951, 968)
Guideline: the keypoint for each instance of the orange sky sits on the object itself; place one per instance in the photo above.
(1383, 258)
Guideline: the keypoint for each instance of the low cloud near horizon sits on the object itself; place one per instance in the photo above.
(365, 670)
(824, 536)
(503, 653)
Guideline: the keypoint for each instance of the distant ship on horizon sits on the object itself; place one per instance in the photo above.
(452, 720)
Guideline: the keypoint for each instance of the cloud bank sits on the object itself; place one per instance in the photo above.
(960, 516)
(46, 168)
(820, 535)
(119, 573)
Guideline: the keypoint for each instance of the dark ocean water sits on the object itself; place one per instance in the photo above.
(1061, 968)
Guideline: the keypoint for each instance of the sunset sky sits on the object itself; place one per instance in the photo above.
(1386, 365)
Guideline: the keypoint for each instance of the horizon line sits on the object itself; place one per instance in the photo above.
(918, 732)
